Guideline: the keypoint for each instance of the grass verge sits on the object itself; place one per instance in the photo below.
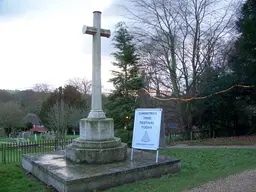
(198, 166)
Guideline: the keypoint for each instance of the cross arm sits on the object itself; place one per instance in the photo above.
(93, 30)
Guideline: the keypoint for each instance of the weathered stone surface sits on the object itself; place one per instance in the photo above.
(96, 144)
(96, 155)
(97, 129)
(96, 104)
(53, 169)
(96, 114)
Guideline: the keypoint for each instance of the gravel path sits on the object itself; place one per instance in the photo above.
(212, 147)
(243, 182)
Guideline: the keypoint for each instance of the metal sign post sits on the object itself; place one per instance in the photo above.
(132, 154)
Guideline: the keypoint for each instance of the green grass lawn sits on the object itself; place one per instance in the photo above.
(12, 140)
(3, 139)
(7, 140)
(72, 136)
(13, 179)
(198, 166)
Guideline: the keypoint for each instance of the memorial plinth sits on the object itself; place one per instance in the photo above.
(96, 144)
(96, 129)
(66, 176)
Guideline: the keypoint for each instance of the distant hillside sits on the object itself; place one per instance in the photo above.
(29, 99)
(12, 91)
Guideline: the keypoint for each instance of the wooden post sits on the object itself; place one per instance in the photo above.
(19, 152)
(12, 151)
(55, 144)
(6, 153)
(42, 146)
(3, 153)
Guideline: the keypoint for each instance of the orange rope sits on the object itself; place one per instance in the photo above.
(198, 98)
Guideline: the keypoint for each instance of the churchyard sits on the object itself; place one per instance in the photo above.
(183, 96)
(11, 151)
(198, 167)
(18, 143)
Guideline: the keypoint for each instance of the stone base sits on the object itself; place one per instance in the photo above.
(97, 114)
(96, 129)
(96, 152)
(54, 170)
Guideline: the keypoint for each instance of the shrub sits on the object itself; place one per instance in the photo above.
(125, 135)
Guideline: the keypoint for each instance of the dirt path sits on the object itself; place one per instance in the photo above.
(212, 147)
(243, 182)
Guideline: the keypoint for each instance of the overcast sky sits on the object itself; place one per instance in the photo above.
(41, 41)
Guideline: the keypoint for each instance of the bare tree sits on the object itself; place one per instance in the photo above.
(58, 119)
(42, 92)
(178, 40)
(42, 87)
(207, 24)
(82, 84)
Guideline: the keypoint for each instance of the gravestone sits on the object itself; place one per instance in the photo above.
(48, 135)
(96, 160)
(2, 132)
(25, 134)
(14, 135)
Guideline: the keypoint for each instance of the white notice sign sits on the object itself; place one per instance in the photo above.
(146, 133)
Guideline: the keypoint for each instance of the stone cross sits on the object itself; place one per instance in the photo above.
(97, 32)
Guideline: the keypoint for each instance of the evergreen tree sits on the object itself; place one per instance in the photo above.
(243, 60)
(69, 95)
(244, 56)
(232, 113)
(127, 81)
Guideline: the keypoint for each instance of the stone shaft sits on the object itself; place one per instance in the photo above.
(96, 108)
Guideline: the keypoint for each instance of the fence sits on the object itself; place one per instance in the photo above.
(182, 135)
(12, 152)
